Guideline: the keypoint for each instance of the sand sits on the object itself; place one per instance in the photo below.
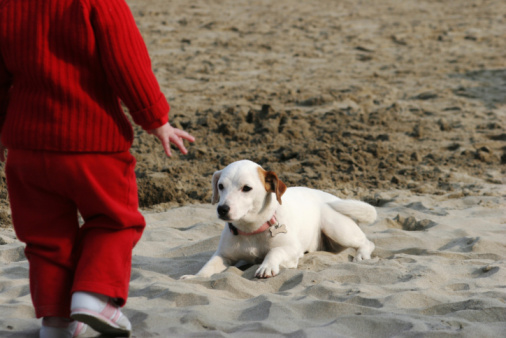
(399, 103)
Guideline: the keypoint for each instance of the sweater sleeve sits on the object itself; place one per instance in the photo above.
(126, 61)
(5, 85)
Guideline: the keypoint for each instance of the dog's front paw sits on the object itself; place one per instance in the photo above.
(364, 252)
(266, 271)
(187, 277)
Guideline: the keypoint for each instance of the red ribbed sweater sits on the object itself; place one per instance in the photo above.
(64, 66)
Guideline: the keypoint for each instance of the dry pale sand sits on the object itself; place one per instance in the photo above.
(445, 279)
(398, 103)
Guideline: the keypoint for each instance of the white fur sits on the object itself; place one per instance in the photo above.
(306, 213)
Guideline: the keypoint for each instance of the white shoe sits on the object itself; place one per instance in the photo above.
(99, 312)
(56, 327)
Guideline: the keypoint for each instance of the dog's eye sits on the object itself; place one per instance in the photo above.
(246, 188)
(220, 186)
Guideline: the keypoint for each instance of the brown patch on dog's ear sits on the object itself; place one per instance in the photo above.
(272, 183)
(216, 195)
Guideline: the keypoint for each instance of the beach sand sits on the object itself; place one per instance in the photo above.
(401, 104)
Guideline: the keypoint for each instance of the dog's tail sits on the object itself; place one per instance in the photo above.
(357, 210)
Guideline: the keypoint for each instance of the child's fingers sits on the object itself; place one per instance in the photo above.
(185, 135)
(178, 141)
(166, 146)
(169, 135)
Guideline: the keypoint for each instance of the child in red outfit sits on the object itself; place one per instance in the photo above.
(64, 65)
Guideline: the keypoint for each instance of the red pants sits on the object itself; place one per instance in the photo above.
(46, 191)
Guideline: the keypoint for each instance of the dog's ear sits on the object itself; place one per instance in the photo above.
(273, 183)
(216, 195)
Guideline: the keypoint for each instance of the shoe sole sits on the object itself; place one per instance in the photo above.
(100, 324)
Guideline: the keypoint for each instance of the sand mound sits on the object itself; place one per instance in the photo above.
(444, 280)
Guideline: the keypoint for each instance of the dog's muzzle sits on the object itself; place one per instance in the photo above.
(223, 211)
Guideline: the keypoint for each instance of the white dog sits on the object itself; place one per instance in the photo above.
(275, 226)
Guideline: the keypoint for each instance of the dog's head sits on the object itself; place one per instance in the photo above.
(243, 190)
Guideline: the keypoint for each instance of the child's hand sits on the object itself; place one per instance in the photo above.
(168, 134)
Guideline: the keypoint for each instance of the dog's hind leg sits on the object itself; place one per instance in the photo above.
(345, 232)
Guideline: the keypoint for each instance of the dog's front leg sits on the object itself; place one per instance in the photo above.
(276, 257)
(216, 264)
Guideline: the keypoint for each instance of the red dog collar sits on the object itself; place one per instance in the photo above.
(264, 227)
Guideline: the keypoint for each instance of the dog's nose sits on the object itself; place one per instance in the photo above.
(223, 210)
